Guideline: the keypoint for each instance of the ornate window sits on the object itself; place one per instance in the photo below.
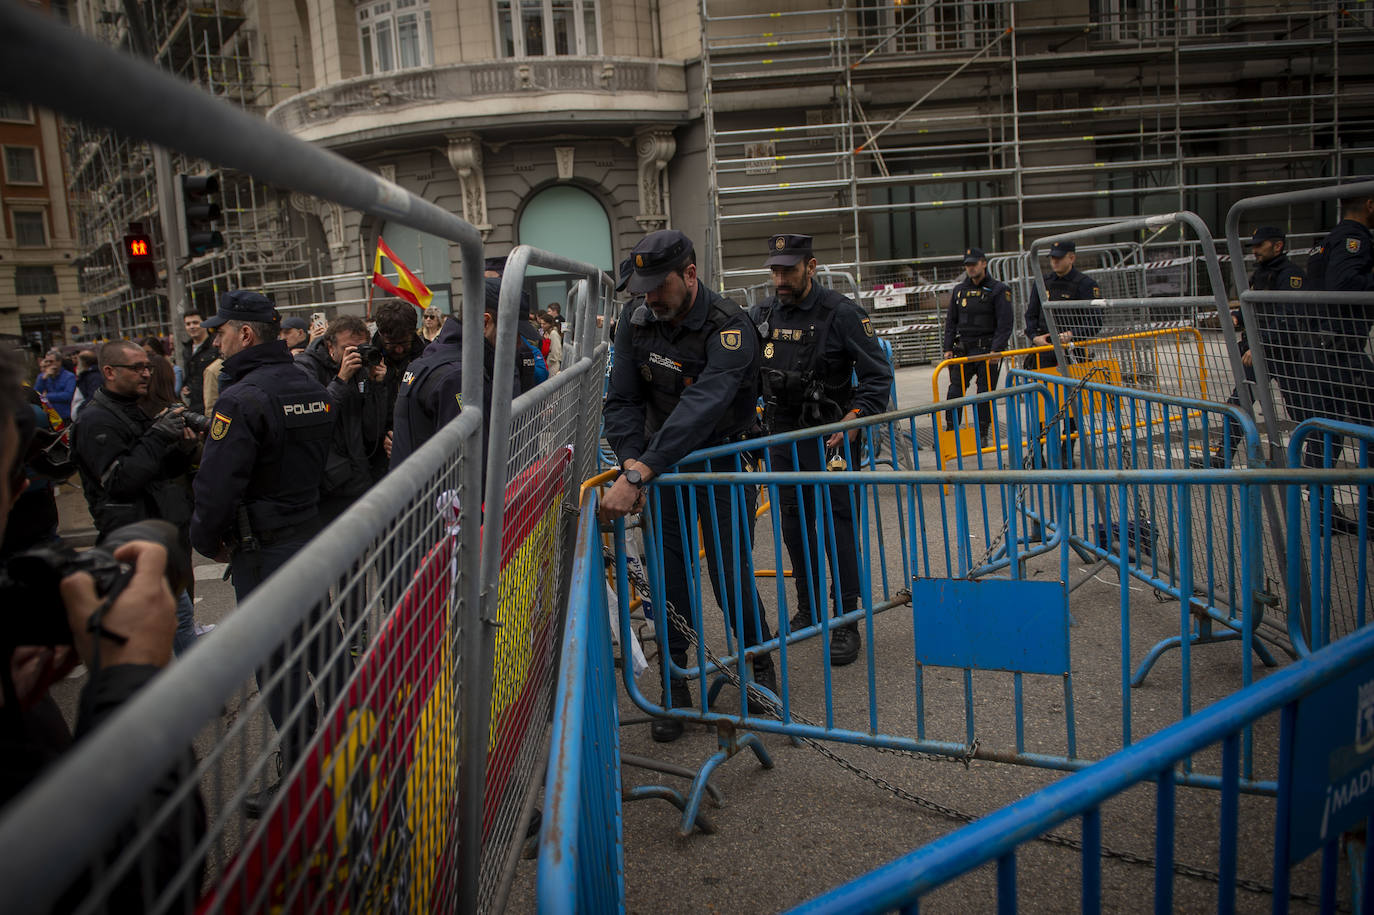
(395, 35)
(538, 28)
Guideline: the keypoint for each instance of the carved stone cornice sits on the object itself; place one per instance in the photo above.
(330, 215)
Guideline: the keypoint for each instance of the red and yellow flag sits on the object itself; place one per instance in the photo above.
(407, 285)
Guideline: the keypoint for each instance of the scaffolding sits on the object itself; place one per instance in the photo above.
(112, 181)
(898, 132)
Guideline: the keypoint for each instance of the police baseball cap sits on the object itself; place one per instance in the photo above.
(658, 254)
(974, 255)
(294, 323)
(1264, 233)
(788, 250)
(1060, 248)
(626, 268)
(242, 305)
(495, 265)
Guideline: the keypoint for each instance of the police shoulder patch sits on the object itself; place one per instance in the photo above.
(219, 427)
(1097, 293)
(868, 326)
(1295, 282)
(731, 339)
(1352, 245)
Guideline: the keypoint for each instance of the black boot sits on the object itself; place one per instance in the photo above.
(765, 675)
(666, 730)
(844, 644)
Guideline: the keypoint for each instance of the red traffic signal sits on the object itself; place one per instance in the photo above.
(138, 256)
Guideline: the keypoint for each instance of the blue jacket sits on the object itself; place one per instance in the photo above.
(58, 391)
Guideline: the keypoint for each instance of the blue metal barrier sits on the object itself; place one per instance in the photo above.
(1188, 533)
(1322, 763)
(581, 848)
(1337, 579)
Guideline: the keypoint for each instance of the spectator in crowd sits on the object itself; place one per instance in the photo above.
(87, 379)
(197, 353)
(134, 465)
(210, 383)
(257, 496)
(57, 385)
(358, 389)
(45, 462)
(553, 337)
(431, 391)
(401, 344)
(556, 312)
(295, 332)
(162, 391)
(33, 733)
(433, 323)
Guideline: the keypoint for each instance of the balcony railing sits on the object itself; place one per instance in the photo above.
(391, 93)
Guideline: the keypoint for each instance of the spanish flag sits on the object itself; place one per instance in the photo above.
(407, 285)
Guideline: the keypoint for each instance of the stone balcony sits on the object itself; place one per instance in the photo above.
(482, 95)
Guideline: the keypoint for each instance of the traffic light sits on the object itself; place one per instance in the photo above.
(138, 255)
(198, 213)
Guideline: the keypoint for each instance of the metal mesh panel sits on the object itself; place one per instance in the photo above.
(352, 716)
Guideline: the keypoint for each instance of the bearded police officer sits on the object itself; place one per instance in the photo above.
(258, 490)
(815, 342)
(685, 377)
(1064, 282)
(979, 321)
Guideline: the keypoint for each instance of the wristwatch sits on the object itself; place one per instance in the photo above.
(633, 477)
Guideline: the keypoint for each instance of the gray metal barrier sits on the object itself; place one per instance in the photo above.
(1310, 362)
(376, 644)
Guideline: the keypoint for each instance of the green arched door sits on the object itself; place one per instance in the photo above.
(569, 221)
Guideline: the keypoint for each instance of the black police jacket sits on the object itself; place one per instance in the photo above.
(1279, 274)
(195, 360)
(980, 315)
(432, 391)
(1344, 261)
(391, 384)
(129, 471)
(823, 338)
(359, 422)
(677, 388)
(269, 436)
(1084, 323)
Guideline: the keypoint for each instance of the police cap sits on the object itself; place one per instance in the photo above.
(626, 268)
(658, 254)
(788, 250)
(1264, 233)
(1060, 248)
(242, 305)
(974, 255)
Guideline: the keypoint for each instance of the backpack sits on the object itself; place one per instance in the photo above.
(541, 368)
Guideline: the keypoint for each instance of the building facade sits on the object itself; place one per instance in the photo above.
(896, 133)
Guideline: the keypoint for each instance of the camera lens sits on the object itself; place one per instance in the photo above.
(197, 421)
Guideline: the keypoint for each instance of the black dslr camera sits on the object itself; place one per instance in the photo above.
(197, 421)
(35, 614)
(371, 355)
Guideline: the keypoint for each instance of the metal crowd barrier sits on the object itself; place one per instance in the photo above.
(965, 568)
(1325, 758)
(581, 848)
(405, 662)
(1310, 361)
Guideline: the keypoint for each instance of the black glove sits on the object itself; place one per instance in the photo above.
(170, 425)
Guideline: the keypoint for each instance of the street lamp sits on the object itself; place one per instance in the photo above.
(43, 328)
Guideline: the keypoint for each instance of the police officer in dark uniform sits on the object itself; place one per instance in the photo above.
(685, 377)
(815, 342)
(431, 392)
(258, 490)
(980, 319)
(1064, 282)
(1280, 329)
(1345, 375)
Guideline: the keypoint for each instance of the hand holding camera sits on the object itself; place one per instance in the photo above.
(137, 628)
(350, 363)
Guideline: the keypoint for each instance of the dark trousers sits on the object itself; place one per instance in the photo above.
(804, 537)
(986, 375)
(1234, 433)
(306, 651)
(735, 548)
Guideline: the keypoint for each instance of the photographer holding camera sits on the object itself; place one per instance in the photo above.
(129, 643)
(353, 372)
(133, 466)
